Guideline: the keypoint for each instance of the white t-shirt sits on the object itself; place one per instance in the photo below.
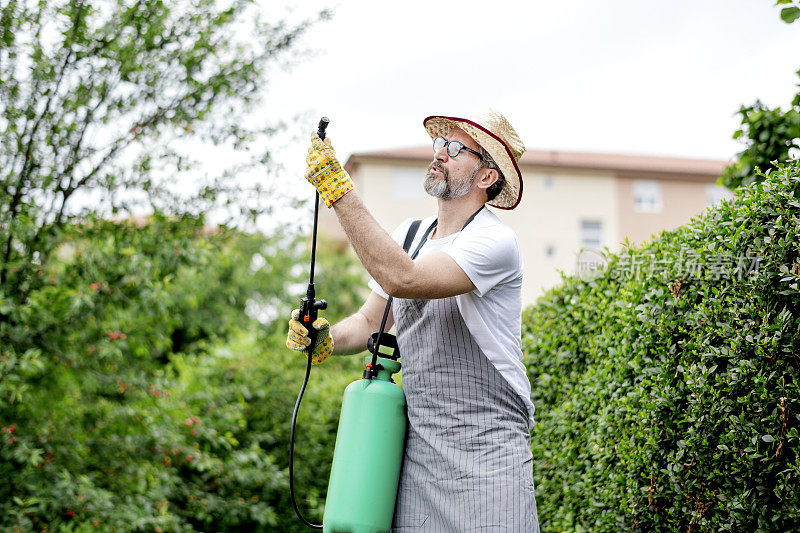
(488, 252)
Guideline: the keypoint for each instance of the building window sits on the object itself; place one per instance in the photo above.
(550, 252)
(647, 196)
(547, 182)
(408, 183)
(716, 194)
(591, 233)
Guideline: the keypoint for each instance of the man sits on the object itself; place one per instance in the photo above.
(457, 307)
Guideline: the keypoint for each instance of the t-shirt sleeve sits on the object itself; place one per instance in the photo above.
(487, 256)
(399, 236)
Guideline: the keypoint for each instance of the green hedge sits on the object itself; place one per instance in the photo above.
(667, 387)
(138, 394)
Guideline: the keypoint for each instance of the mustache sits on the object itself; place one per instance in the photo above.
(438, 166)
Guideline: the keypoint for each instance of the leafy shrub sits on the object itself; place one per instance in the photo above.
(138, 394)
(770, 135)
(667, 388)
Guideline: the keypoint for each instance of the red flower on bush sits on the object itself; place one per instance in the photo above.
(114, 335)
(94, 286)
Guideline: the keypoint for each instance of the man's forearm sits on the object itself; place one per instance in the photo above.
(383, 258)
(351, 334)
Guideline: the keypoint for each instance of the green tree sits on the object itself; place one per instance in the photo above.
(769, 134)
(100, 99)
(121, 404)
(790, 10)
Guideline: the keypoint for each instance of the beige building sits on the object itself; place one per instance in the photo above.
(571, 201)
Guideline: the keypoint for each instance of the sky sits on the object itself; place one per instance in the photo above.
(615, 76)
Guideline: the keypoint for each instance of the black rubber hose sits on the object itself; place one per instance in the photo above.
(291, 448)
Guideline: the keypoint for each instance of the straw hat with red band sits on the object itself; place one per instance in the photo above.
(493, 132)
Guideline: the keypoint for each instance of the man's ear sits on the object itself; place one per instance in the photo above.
(488, 178)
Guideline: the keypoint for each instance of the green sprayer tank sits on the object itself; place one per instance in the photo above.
(368, 455)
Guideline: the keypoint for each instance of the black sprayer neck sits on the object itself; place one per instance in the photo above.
(323, 125)
(313, 245)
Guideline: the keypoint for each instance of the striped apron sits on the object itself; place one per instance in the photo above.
(467, 464)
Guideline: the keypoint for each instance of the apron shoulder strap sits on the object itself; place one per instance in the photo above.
(412, 232)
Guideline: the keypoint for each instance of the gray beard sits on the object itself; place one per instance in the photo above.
(443, 188)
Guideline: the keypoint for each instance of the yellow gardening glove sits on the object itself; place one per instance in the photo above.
(324, 171)
(298, 339)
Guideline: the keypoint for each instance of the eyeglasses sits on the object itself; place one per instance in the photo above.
(453, 147)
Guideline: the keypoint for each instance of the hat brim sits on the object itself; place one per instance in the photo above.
(510, 196)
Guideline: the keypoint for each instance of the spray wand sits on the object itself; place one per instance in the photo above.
(309, 308)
